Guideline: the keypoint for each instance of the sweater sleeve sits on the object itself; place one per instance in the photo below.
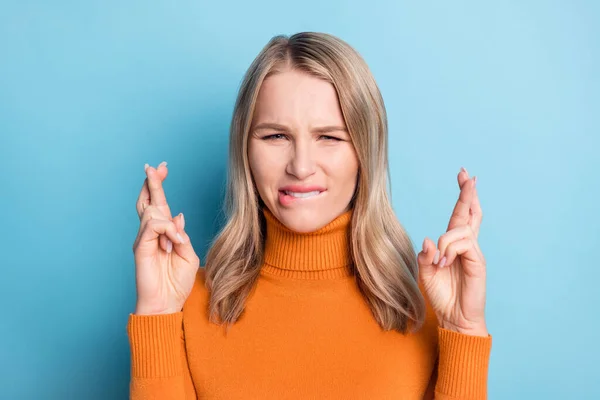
(159, 366)
(462, 366)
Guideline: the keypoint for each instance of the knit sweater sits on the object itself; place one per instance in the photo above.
(306, 333)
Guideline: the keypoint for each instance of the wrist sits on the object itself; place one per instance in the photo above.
(144, 310)
(476, 330)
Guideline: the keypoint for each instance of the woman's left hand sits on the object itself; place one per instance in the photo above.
(454, 273)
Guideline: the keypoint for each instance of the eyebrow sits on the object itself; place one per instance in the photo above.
(321, 129)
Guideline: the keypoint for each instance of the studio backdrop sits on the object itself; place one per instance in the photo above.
(90, 91)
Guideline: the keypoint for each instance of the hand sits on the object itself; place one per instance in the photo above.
(165, 261)
(454, 273)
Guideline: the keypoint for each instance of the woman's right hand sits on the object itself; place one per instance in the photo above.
(165, 261)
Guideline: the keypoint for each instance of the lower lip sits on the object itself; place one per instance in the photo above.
(286, 199)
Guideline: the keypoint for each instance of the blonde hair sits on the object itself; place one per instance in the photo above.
(384, 259)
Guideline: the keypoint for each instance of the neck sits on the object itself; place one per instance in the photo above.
(322, 254)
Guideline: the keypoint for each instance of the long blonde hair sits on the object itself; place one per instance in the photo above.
(384, 260)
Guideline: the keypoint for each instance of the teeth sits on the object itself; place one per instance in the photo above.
(302, 195)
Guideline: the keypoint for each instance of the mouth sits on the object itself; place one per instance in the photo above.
(288, 197)
(301, 195)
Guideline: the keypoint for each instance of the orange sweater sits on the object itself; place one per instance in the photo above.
(306, 333)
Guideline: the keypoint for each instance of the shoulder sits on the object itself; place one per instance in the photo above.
(430, 324)
(198, 300)
(201, 276)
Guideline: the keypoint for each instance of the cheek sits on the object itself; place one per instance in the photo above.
(263, 166)
(343, 168)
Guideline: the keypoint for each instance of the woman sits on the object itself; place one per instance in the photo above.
(312, 289)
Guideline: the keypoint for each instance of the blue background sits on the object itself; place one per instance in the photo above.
(90, 91)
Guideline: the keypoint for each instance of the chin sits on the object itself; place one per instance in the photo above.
(303, 220)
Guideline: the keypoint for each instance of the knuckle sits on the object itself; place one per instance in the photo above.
(146, 211)
(151, 225)
(441, 241)
(154, 223)
(196, 260)
(457, 215)
(150, 213)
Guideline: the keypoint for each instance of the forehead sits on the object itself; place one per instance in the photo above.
(293, 97)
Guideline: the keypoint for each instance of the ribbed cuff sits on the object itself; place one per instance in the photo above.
(155, 344)
(463, 365)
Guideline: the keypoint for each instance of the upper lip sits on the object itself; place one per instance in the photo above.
(302, 189)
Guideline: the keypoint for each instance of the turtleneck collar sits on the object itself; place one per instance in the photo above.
(322, 254)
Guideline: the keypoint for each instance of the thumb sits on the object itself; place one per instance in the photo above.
(185, 249)
(425, 259)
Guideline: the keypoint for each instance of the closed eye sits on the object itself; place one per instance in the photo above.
(283, 136)
(275, 136)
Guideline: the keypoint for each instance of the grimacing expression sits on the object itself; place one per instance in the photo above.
(301, 156)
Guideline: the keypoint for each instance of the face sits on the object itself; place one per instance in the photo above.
(301, 156)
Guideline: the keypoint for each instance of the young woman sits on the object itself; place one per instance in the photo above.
(312, 289)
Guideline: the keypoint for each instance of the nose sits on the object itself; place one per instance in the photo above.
(302, 160)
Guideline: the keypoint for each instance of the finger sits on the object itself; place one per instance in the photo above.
(460, 232)
(454, 235)
(463, 176)
(155, 186)
(465, 248)
(460, 214)
(165, 242)
(476, 213)
(478, 250)
(143, 200)
(185, 250)
(426, 258)
(157, 227)
(179, 224)
(179, 239)
(162, 170)
(150, 213)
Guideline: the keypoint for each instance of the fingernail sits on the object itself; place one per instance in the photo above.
(182, 221)
(169, 246)
(464, 169)
(146, 167)
(180, 238)
(443, 262)
(475, 180)
(436, 258)
(162, 163)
